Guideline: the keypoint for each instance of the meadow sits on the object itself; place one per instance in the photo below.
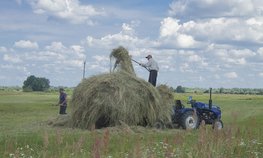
(25, 133)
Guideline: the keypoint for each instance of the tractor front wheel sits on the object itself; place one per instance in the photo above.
(218, 124)
(189, 120)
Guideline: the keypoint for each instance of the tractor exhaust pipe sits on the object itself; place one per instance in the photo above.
(210, 98)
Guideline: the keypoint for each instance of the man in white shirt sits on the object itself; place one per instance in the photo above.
(153, 68)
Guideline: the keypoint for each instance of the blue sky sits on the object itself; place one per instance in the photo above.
(197, 43)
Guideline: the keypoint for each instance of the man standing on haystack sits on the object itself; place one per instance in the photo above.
(153, 68)
(62, 101)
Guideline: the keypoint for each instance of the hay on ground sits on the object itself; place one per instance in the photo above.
(61, 120)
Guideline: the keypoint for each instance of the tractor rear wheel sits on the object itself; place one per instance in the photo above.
(189, 120)
(159, 125)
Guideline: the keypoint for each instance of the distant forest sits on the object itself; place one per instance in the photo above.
(252, 91)
(178, 89)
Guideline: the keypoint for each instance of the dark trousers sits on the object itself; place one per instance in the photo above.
(62, 110)
(153, 77)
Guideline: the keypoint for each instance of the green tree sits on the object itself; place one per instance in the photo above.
(221, 90)
(180, 89)
(33, 83)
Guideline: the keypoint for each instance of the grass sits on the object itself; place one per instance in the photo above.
(24, 132)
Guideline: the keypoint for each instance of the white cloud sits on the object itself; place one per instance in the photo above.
(73, 63)
(240, 61)
(44, 56)
(231, 75)
(70, 10)
(215, 8)
(89, 40)
(102, 58)
(171, 33)
(100, 63)
(177, 7)
(26, 44)
(12, 58)
(77, 48)
(235, 56)
(214, 30)
(195, 58)
(242, 53)
(185, 68)
(79, 51)
(14, 67)
(260, 52)
(169, 27)
(126, 27)
(56, 54)
(126, 38)
(56, 46)
(165, 61)
(208, 20)
(3, 49)
(254, 21)
(185, 41)
(260, 74)
(114, 40)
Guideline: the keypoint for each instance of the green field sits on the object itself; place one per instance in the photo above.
(24, 132)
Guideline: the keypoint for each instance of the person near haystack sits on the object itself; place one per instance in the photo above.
(153, 68)
(62, 101)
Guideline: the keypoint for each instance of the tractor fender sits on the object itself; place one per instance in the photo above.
(192, 110)
(184, 110)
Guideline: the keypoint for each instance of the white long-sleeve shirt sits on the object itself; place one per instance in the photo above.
(151, 65)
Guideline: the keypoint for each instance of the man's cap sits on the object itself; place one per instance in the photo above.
(61, 89)
(148, 56)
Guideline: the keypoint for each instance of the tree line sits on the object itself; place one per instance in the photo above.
(252, 91)
(33, 83)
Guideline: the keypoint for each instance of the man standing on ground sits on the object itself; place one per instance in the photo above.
(62, 101)
(153, 68)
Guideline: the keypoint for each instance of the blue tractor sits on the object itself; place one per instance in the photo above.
(191, 118)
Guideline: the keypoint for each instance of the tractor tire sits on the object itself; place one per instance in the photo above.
(217, 125)
(159, 125)
(169, 125)
(189, 120)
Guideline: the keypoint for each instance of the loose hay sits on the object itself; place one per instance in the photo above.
(106, 100)
(61, 120)
(123, 59)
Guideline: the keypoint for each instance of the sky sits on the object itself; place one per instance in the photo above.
(197, 43)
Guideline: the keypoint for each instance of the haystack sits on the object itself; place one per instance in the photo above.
(107, 99)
